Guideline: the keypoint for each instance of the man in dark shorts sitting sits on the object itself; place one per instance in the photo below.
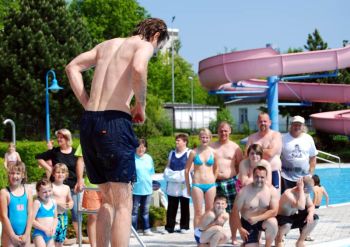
(258, 204)
(106, 134)
(296, 210)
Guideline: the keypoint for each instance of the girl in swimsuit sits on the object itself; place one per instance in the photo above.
(16, 209)
(45, 211)
(202, 161)
(11, 156)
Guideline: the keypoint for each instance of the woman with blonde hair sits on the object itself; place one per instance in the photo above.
(202, 161)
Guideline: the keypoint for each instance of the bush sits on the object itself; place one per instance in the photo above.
(3, 174)
(157, 216)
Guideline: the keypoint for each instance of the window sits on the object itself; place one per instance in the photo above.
(243, 115)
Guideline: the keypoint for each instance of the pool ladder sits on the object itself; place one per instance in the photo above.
(328, 155)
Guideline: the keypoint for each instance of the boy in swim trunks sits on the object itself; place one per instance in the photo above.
(210, 231)
(64, 201)
(107, 138)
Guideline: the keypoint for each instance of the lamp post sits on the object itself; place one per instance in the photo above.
(191, 79)
(12, 123)
(172, 61)
(54, 88)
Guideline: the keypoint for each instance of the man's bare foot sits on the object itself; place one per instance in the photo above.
(235, 242)
(300, 243)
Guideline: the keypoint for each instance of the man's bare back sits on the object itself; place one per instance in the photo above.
(114, 79)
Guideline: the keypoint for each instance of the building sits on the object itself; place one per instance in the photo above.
(181, 114)
(245, 113)
(173, 36)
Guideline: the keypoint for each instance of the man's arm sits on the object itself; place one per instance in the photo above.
(237, 158)
(310, 209)
(275, 146)
(139, 80)
(237, 207)
(79, 169)
(312, 161)
(74, 72)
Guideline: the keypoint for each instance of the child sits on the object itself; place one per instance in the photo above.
(319, 192)
(16, 208)
(62, 196)
(45, 211)
(203, 161)
(11, 156)
(210, 230)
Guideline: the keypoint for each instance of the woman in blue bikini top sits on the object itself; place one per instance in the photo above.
(202, 161)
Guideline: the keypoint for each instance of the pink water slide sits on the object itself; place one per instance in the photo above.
(219, 72)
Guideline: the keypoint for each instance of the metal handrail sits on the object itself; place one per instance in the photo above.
(82, 211)
(329, 155)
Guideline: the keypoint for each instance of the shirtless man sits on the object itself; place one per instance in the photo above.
(271, 142)
(229, 155)
(257, 203)
(296, 210)
(210, 231)
(106, 134)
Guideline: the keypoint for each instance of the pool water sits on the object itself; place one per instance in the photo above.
(337, 184)
(335, 180)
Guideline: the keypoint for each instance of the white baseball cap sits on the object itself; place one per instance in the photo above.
(298, 119)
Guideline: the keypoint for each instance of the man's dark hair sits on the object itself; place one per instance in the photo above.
(149, 27)
(260, 168)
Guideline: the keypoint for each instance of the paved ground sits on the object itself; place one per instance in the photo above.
(334, 225)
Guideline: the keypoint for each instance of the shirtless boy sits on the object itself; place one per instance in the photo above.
(229, 155)
(64, 201)
(120, 73)
(257, 203)
(271, 142)
(210, 231)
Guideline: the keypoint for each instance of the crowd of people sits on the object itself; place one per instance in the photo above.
(265, 188)
(268, 187)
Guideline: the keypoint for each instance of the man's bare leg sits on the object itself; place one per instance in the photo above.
(307, 229)
(282, 231)
(271, 228)
(91, 229)
(114, 216)
(233, 229)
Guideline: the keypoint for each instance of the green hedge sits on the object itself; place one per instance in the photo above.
(158, 148)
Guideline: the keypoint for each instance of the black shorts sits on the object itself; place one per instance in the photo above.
(108, 143)
(253, 230)
(297, 220)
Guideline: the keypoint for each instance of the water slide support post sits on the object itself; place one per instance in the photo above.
(272, 101)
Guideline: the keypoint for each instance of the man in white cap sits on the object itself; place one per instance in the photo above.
(298, 154)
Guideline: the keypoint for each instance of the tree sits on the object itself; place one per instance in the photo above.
(41, 36)
(5, 6)
(315, 42)
(108, 19)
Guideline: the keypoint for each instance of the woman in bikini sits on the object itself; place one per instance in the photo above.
(202, 161)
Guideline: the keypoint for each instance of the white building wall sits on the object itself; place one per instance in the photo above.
(201, 118)
(252, 115)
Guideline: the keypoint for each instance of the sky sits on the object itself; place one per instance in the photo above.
(210, 27)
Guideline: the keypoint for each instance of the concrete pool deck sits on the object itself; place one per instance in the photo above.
(334, 225)
(332, 230)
